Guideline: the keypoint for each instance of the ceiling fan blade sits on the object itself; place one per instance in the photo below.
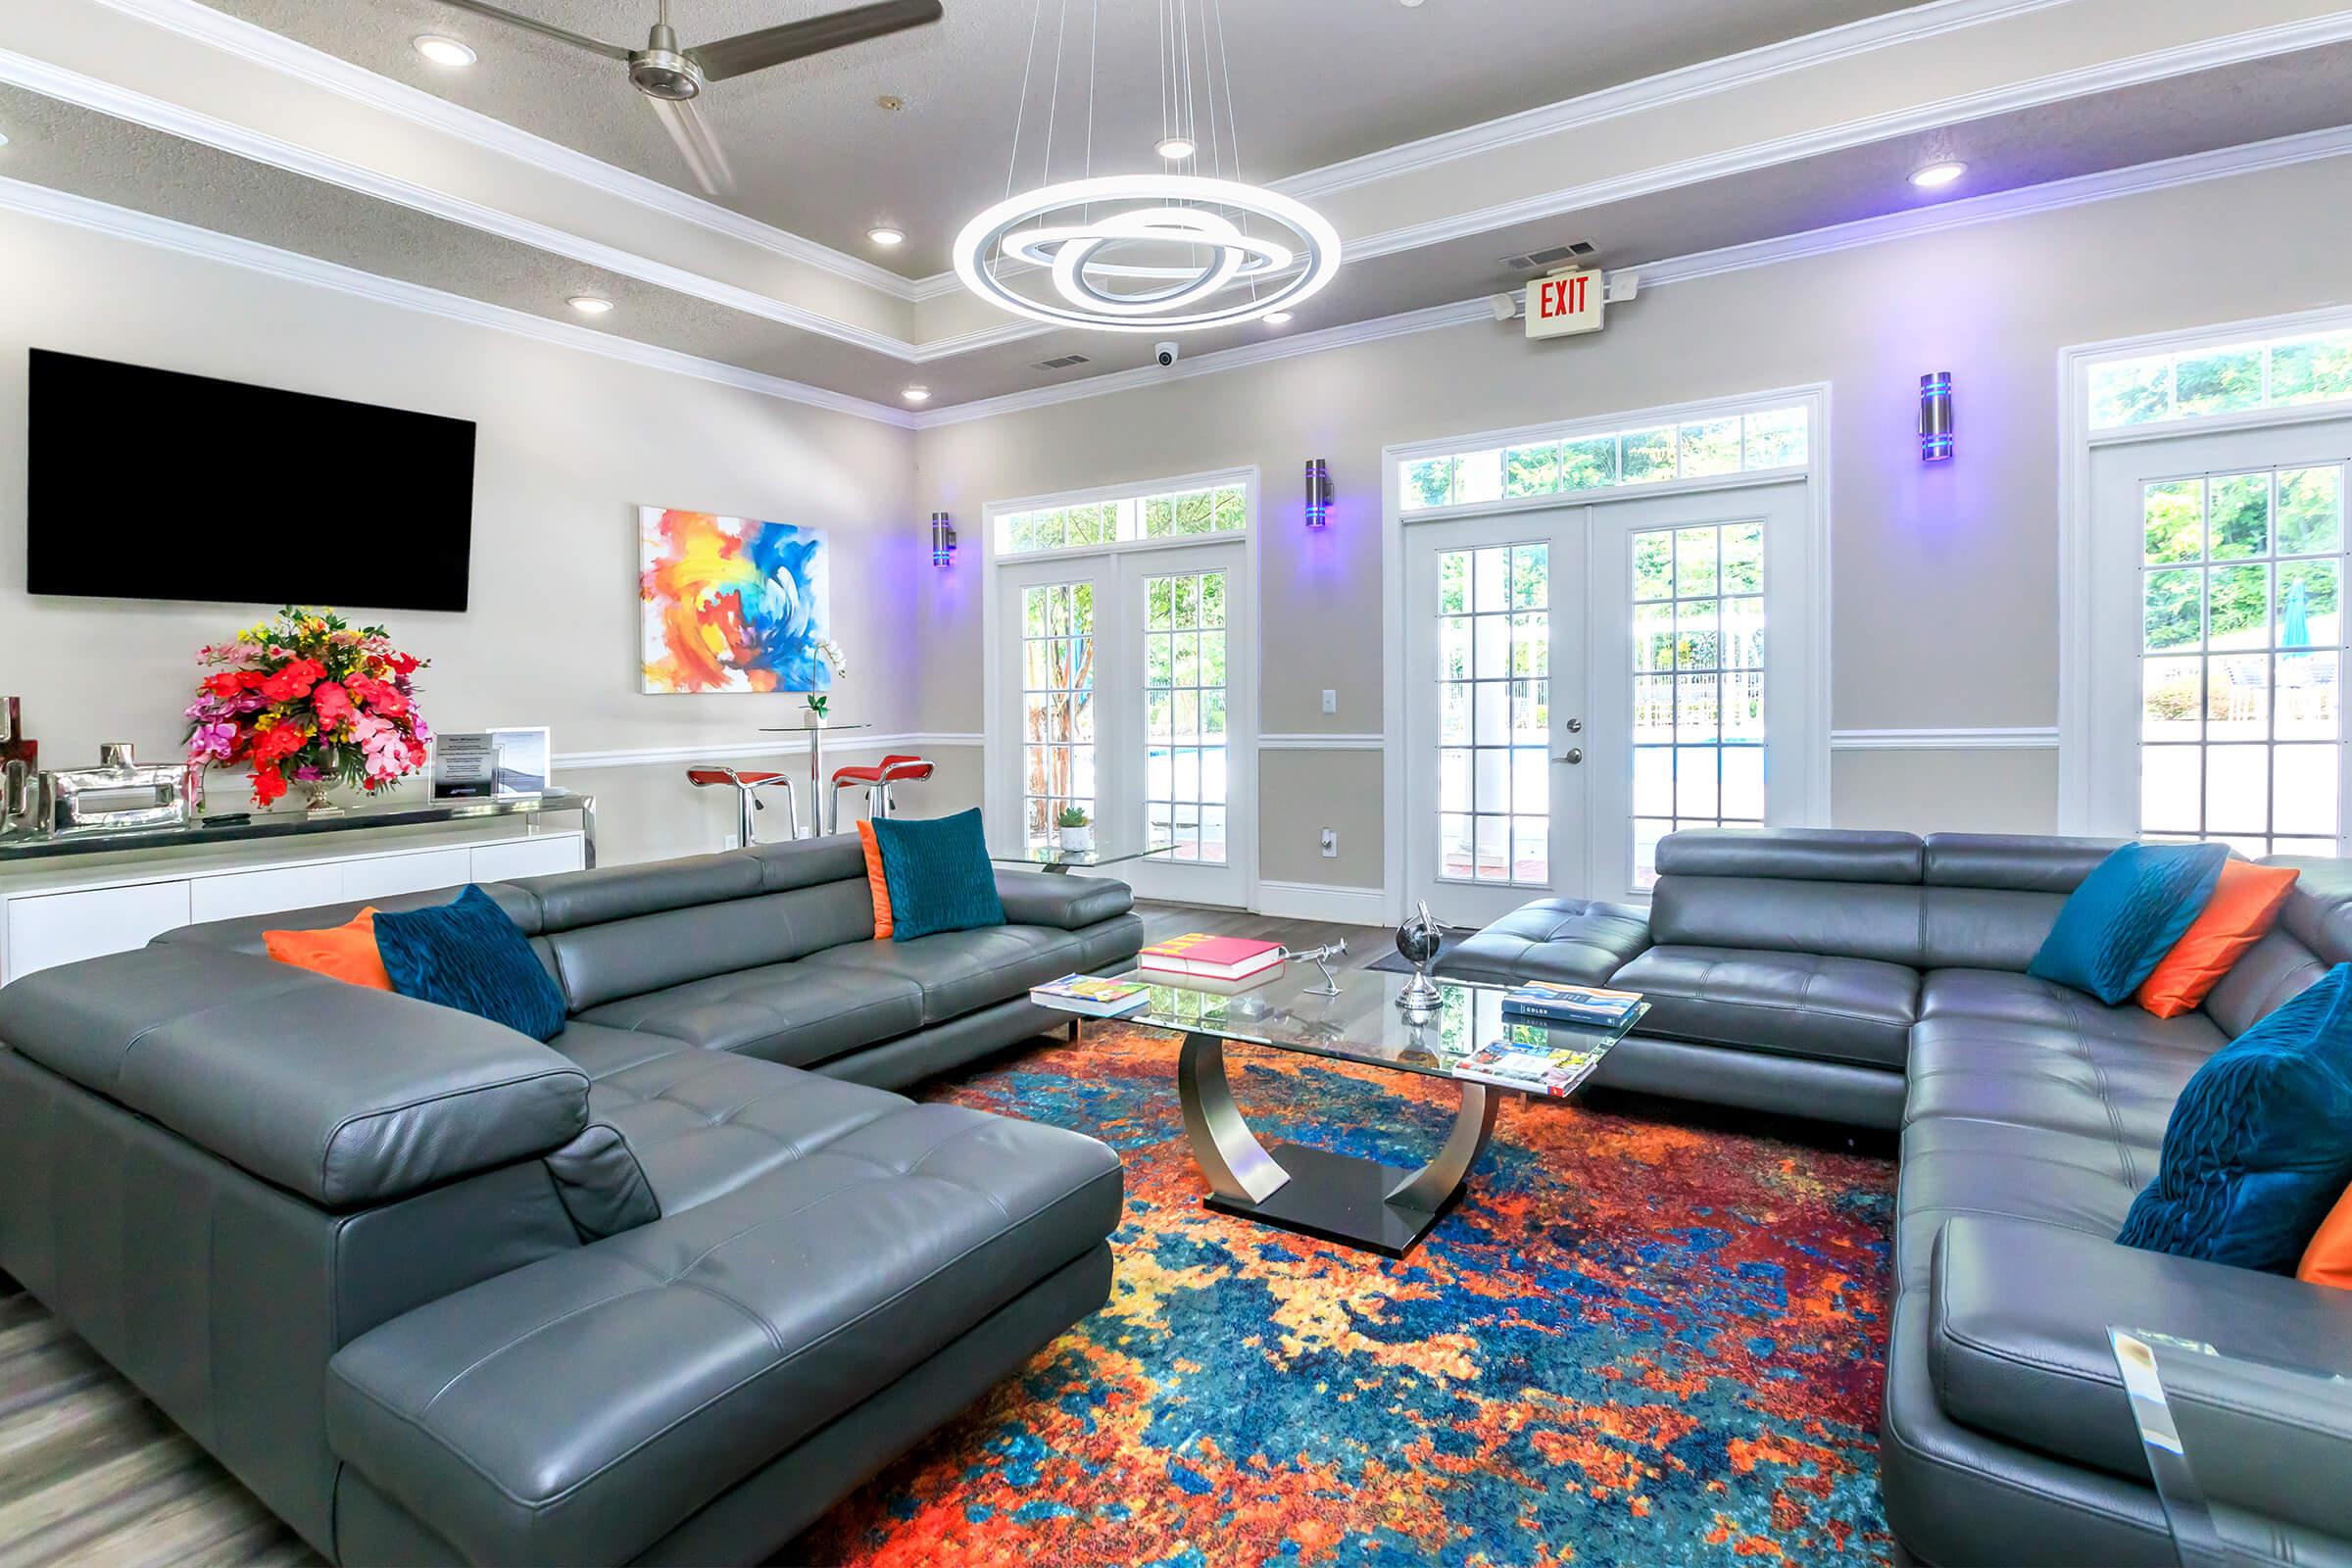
(701, 149)
(545, 29)
(748, 52)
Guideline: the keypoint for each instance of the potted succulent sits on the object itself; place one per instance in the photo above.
(1076, 829)
(829, 650)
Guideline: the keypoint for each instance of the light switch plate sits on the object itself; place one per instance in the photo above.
(1331, 701)
(1330, 844)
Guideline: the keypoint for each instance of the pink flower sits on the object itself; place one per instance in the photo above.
(385, 747)
(213, 740)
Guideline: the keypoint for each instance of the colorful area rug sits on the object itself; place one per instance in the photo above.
(1633, 1343)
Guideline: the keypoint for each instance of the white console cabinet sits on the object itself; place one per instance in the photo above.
(56, 914)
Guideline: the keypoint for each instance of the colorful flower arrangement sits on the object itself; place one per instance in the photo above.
(307, 698)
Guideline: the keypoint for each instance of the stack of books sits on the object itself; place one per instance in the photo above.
(1533, 1070)
(1091, 997)
(1593, 1006)
(1200, 956)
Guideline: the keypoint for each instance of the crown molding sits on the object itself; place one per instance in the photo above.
(2207, 54)
(2025, 201)
(1234, 359)
(186, 239)
(259, 45)
(1869, 34)
(138, 108)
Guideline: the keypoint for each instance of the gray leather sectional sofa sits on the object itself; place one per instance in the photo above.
(658, 1291)
(1879, 979)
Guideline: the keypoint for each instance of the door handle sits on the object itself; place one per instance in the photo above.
(1572, 756)
(1574, 726)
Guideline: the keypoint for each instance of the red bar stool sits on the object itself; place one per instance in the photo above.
(748, 785)
(876, 782)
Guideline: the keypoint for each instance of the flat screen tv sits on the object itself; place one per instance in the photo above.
(151, 484)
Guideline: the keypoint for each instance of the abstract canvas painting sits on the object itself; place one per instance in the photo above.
(730, 604)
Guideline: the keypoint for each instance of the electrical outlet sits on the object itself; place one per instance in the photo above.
(1331, 701)
(732, 842)
(1330, 844)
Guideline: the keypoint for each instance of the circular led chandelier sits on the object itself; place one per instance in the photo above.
(1167, 252)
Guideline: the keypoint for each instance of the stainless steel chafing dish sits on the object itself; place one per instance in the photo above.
(120, 795)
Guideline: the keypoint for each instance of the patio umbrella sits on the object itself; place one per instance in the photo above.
(2294, 626)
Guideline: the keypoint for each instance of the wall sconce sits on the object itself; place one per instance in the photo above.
(1936, 416)
(942, 540)
(1318, 493)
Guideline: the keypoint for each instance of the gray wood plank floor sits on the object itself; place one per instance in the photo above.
(90, 1473)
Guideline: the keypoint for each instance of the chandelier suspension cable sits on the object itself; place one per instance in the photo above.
(1061, 30)
(1233, 119)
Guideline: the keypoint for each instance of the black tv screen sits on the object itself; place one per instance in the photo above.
(151, 484)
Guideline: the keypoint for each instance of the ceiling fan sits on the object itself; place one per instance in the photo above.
(671, 79)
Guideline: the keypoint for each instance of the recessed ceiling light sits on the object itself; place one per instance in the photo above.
(590, 304)
(886, 234)
(916, 394)
(1177, 148)
(442, 51)
(1408, 4)
(1277, 318)
(1934, 177)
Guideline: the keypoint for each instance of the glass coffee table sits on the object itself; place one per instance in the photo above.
(1053, 858)
(1342, 1198)
(2246, 1452)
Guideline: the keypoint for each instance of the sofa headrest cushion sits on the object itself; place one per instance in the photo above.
(1809, 855)
(2013, 863)
(340, 1093)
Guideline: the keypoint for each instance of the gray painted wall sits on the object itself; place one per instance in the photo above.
(1945, 578)
(571, 444)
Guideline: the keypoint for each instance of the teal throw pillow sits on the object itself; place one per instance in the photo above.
(2259, 1147)
(2117, 926)
(939, 875)
(469, 954)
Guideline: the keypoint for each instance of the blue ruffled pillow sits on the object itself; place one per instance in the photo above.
(939, 875)
(2119, 924)
(469, 954)
(2259, 1147)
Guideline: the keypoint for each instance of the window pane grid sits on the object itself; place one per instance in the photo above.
(1206, 509)
(1057, 692)
(2198, 383)
(1185, 750)
(1695, 449)
(1494, 715)
(2242, 584)
(1699, 683)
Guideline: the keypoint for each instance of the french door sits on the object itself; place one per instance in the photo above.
(1128, 677)
(2217, 638)
(1581, 681)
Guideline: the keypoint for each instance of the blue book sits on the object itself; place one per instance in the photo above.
(1557, 1004)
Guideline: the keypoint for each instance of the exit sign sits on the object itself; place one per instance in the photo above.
(1563, 304)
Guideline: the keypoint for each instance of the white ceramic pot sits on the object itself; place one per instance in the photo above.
(1077, 840)
(812, 719)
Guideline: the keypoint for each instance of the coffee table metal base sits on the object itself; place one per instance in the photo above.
(1338, 1198)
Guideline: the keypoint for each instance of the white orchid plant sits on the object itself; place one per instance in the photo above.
(830, 652)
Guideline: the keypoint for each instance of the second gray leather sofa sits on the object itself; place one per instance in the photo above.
(438, 1292)
(1879, 979)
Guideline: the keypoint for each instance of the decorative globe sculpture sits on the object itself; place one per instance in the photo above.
(1418, 942)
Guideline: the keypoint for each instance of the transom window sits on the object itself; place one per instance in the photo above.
(1057, 700)
(1209, 510)
(1494, 713)
(2197, 383)
(1699, 683)
(1184, 705)
(2242, 585)
(1695, 449)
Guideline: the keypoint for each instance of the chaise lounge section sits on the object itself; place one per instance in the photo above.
(649, 1293)
(1879, 979)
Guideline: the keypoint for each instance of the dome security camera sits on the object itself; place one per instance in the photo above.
(1166, 354)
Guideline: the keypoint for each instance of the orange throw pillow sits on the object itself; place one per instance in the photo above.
(2327, 1260)
(344, 952)
(2244, 906)
(876, 880)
